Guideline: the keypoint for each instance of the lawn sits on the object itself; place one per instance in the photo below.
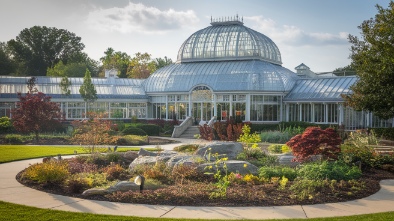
(21, 152)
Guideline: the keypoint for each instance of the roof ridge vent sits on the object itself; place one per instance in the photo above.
(234, 20)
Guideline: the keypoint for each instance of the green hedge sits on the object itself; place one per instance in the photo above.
(386, 133)
(150, 129)
(283, 125)
(134, 131)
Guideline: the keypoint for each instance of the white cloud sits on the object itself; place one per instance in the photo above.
(294, 36)
(139, 18)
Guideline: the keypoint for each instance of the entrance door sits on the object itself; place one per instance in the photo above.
(202, 111)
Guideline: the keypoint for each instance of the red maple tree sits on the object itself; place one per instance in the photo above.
(315, 141)
(35, 112)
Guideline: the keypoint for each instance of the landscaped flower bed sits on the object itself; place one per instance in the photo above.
(348, 173)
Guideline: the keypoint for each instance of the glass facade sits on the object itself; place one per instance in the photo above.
(265, 108)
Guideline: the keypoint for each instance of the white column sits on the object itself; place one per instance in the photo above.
(247, 108)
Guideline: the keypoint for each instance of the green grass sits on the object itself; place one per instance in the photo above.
(10, 211)
(20, 152)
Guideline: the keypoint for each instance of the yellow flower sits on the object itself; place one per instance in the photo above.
(245, 165)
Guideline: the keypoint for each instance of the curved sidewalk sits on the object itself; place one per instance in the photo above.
(12, 191)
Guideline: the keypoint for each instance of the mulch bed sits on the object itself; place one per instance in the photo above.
(238, 195)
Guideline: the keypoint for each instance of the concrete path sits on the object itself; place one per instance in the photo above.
(14, 192)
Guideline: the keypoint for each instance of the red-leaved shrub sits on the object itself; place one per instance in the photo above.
(315, 141)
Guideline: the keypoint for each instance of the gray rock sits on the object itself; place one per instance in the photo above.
(129, 157)
(229, 150)
(183, 159)
(144, 152)
(124, 186)
(235, 166)
(287, 160)
(148, 160)
(95, 191)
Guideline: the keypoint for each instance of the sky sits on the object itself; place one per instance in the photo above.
(313, 32)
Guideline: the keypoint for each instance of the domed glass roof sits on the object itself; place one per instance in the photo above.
(228, 40)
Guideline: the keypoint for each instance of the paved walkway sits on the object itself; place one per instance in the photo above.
(14, 192)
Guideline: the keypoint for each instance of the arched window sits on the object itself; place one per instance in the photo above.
(201, 93)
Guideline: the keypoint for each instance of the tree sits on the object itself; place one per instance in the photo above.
(373, 57)
(65, 84)
(35, 112)
(87, 89)
(162, 62)
(39, 48)
(345, 71)
(74, 68)
(93, 132)
(141, 66)
(116, 60)
(315, 141)
(7, 65)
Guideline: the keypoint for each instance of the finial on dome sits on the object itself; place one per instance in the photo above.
(227, 20)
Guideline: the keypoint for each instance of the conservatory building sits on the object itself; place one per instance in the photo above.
(222, 71)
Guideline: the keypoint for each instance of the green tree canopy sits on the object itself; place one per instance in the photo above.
(141, 66)
(162, 62)
(116, 60)
(39, 48)
(7, 65)
(87, 89)
(373, 59)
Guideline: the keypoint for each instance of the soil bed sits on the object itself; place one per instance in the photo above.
(197, 194)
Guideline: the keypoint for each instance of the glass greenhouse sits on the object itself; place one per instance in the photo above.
(224, 70)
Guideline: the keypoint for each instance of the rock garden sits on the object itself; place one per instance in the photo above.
(315, 166)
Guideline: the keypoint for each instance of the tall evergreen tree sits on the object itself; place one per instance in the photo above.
(87, 89)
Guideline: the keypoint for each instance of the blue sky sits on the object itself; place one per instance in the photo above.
(313, 32)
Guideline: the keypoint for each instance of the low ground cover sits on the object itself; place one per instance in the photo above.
(21, 152)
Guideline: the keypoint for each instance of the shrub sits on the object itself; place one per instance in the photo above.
(247, 137)
(285, 149)
(95, 179)
(134, 131)
(268, 172)
(76, 165)
(386, 133)
(315, 141)
(13, 139)
(306, 189)
(275, 136)
(49, 172)
(275, 148)
(356, 149)
(132, 140)
(76, 184)
(336, 170)
(115, 172)
(183, 172)
(5, 125)
(150, 129)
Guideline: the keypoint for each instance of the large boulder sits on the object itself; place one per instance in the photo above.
(234, 166)
(145, 153)
(95, 191)
(184, 160)
(228, 150)
(151, 160)
(124, 186)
